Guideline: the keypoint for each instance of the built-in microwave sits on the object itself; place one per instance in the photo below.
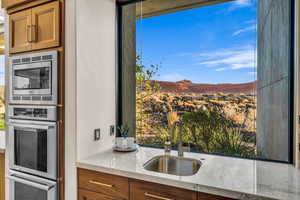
(33, 78)
(33, 147)
(27, 187)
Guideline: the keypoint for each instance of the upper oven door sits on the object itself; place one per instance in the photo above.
(33, 147)
(32, 79)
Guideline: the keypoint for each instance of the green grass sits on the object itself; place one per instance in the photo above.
(2, 124)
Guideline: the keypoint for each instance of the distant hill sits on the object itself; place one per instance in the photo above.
(187, 86)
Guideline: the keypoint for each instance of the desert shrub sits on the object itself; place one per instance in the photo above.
(212, 132)
(202, 125)
(232, 142)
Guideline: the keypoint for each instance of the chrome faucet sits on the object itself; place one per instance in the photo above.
(180, 146)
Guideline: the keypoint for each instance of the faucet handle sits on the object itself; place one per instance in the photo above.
(168, 147)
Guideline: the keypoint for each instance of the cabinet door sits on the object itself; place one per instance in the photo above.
(88, 195)
(2, 179)
(46, 26)
(149, 191)
(19, 30)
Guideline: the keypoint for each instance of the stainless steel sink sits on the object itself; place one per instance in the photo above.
(174, 165)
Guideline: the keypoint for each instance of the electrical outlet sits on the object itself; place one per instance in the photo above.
(112, 130)
(97, 134)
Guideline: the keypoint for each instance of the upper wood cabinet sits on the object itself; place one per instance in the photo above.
(36, 28)
(19, 30)
(11, 3)
(45, 22)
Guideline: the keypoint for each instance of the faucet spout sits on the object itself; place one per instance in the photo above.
(180, 145)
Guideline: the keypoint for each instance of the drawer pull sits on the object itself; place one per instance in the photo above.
(156, 196)
(100, 184)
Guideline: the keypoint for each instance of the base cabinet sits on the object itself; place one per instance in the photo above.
(100, 186)
(204, 196)
(88, 195)
(140, 190)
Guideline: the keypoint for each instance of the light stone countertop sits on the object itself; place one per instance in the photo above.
(2, 141)
(219, 175)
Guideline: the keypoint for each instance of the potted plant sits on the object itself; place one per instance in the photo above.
(124, 141)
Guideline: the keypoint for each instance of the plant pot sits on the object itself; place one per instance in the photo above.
(125, 142)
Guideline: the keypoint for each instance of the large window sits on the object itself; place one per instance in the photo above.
(218, 73)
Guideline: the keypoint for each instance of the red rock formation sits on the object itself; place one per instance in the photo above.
(186, 86)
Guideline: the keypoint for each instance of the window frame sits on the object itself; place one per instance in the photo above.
(293, 118)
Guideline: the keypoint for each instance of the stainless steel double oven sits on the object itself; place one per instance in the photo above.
(32, 127)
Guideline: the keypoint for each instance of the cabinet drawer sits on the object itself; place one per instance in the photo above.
(140, 190)
(88, 195)
(204, 196)
(114, 186)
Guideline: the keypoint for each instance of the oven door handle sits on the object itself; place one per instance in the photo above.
(30, 183)
(31, 126)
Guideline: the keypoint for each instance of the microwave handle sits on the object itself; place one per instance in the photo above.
(30, 183)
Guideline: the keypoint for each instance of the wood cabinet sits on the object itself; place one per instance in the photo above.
(110, 186)
(100, 186)
(88, 195)
(36, 28)
(45, 23)
(11, 3)
(204, 196)
(140, 190)
(19, 30)
(2, 176)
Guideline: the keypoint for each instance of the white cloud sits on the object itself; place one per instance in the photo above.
(173, 77)
(243, 30)
(240, 4)
(230, 59)
(243, 2)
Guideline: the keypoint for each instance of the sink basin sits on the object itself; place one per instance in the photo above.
(174, 165)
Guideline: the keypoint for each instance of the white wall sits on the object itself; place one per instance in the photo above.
(90, 81)
(70, 102)
(96, 63)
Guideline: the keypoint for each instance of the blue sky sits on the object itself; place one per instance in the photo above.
(214, 44)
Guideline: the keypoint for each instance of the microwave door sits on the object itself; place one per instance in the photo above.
(31, 79)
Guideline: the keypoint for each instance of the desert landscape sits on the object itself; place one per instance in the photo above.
(233, 106)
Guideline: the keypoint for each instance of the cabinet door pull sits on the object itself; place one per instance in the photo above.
(101, 184)
(28, 33)
(156, 196)
(33, 33)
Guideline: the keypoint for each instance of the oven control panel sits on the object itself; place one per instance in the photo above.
(46, 113)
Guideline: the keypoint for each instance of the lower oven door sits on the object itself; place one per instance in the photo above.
(33, 147)
(27, 187)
